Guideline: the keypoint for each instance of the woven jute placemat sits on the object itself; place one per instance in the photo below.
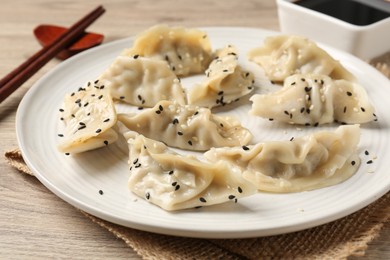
(345, 237)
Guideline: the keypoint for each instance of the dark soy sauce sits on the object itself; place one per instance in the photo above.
(358, 12)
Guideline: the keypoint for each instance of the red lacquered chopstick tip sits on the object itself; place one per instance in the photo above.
(24, 71)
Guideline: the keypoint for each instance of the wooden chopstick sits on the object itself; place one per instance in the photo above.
(23, 72)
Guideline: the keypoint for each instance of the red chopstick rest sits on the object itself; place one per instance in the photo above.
(46, 34)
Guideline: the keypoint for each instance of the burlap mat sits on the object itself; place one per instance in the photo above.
(345, 237)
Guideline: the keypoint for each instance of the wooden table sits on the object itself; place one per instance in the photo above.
(34, 223)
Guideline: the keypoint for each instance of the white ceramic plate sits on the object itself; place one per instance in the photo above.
(78, 179)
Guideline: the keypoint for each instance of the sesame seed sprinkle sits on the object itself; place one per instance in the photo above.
(349, 93)
(246, 148)
(105, 142)
(366, 152)
(202, 200)
(353, 163)
(101, 192)
(239, 189)
(369, 162)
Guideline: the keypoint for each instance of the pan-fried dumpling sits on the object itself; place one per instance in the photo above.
(315, 99)
(89, 115)
(226, 81)
(187, 127)
(282, 56)
(173, 182)
(187, 51)
(142, 82)
(310, 162)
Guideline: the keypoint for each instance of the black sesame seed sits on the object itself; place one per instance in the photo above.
(179, 56)
(170, 172)
(67, 153)
(158, 112)
(225, 70)
(106, 120)
(135, 161)
(239, 189)
(363, 109)
(272, 82)
(316, 124)
(143, 102)
(292, 84)
(196, 113)
(349, 93)
(102, 87)
(173, 68)
(175, 121)
(81, 123)
(286, 112)
(174, 183)
(235, 200)
(366, 152)
(82, 127)
(61, 118)
(246, 74)
(307, 124)
(105, 142)
(137, 166)
(140, 108)
(96, 81)
(353, 163)
(136, 56)
(139, 97)
(345, 109)
(86, 104)
(246, 148)
(88, 114)
(100, 97)
(302, 109)
(89, 83)
(100, 192)
(292, 138)
(220, 93)
(166, 58)
(160, 107)
(72, 94)
(61, 110)
(308, 89)
(121, 97)
(202, 199)
(308, 110)
(60, 135)
(303, 79)
(180, 133)
(270, 119)
(369, 162)
(343, 123)
(147, 195)
(231, 197)
(78, 101)
(177, 187)
(190, 142)
(73, 115)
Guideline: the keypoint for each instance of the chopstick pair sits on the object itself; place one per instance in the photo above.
(18, 76)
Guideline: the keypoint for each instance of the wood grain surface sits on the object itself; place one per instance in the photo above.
(34, 223)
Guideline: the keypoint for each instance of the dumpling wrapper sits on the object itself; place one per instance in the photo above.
(284, 55)
(187, 51)
(305, 163)
(173, 182)
(142, 82)
(226, 81)
(310, 99)
(187, 127)
(89, 115)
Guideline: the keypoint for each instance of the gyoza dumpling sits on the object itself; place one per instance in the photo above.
(172, 181)
(310, 162)
(187, 127)
(282, 56)
(142, 81)
(313, 100)
(187, 51)
(89, 115)
(225, 83)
